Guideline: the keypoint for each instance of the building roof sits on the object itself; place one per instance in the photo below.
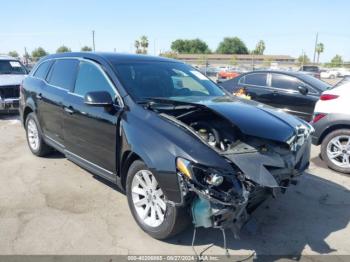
(230, 56)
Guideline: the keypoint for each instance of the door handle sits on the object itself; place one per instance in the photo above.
(39, 96)
(69, 110)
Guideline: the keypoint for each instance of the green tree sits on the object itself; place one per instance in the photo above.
(232, 45)
(337, 61)
(13, 54)
(303, 59)
(39, 53)
(259, 48)
(190, 46)
(63, 49)
(86, 49)
(137, 46)
(319, 50)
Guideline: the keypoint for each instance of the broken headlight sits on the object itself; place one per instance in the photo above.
(201, 175)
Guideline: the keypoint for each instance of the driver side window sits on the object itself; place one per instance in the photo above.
(90, 79)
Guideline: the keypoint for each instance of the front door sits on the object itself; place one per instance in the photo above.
(91, 133)
(289, 97)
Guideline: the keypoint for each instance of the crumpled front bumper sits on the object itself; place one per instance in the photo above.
(263, 174)
(9, 104)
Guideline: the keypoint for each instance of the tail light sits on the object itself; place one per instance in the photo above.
(317, 117)
(326, 97)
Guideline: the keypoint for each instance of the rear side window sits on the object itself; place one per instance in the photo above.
(285, 82)
(90, 78)
(42, 70)
(257, 79)
(63, 73)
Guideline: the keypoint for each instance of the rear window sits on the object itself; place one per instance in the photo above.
(310, 68)
(42, 70)
(63, 73)
(257, 79)
(11, 67)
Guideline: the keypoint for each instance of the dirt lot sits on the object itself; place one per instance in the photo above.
(51, 206)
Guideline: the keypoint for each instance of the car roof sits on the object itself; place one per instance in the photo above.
(6, 57)
(290, 73)
(115, 57)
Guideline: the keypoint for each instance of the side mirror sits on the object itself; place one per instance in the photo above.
(303, 90)
(98, 98)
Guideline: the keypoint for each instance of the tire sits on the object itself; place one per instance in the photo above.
(35, 137)
(329, 148)
(175, 219)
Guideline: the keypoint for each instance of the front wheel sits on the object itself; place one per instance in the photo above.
(335, 150)
(148, 205)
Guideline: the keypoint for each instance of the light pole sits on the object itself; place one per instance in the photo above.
(315, 48)
(93, 40)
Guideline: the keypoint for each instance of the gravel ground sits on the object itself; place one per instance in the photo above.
(51, 206)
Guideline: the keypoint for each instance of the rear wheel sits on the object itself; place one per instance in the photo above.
(148, 205)
(335, 150)
(34, 137)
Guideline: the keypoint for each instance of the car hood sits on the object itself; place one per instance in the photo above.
(8, 80)
(254, 119)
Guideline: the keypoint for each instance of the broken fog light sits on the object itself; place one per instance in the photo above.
(209, 176)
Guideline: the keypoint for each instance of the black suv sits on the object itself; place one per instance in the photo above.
(176, 142)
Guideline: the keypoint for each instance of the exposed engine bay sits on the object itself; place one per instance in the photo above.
(260, 168)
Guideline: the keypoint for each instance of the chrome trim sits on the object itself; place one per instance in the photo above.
(53, 140)
(117, 94)
(107, 171)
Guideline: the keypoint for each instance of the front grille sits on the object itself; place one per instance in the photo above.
(9, 91)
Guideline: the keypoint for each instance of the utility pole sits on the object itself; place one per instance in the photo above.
(93, 40)
(25, 56)
(315, 48)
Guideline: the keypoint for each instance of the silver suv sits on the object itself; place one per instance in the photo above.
(12, 72)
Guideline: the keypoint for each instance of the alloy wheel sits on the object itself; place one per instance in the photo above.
(148, 198)
(33, 135)
(338, 151)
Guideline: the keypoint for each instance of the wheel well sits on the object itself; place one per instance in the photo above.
(128, 158)
(26, 112)
(331, 129)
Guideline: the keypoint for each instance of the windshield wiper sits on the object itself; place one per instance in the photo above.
(157, 102)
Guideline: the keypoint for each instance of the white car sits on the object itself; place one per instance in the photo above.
(332, 74)
(332, 127)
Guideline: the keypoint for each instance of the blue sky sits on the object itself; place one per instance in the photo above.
(287, 27)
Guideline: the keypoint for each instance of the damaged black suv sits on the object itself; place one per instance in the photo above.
(182, 149)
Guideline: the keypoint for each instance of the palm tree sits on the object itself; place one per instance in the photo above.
(319, 50)
(137, 46)
(144, 44)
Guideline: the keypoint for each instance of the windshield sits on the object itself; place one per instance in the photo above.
(313, 81)
(144, 80)
(11, 67)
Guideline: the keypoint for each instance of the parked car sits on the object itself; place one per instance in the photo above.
(343, 72)
(311, 70)
(345, 79)
(182, 148)
(293, 92)
(332, 127)
(331, 74)
(12, 72)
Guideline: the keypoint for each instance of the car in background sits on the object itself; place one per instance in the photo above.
(343, 72)
(293, 92)
(12, 73)
(330, 74)
(332, 127)
(311, 70)
(345, 79)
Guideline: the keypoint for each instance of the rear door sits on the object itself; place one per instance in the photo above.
(50, 98)
(255, 85)
(91, 132)
(289, 97)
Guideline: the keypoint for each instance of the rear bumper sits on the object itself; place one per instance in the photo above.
(9, 104)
